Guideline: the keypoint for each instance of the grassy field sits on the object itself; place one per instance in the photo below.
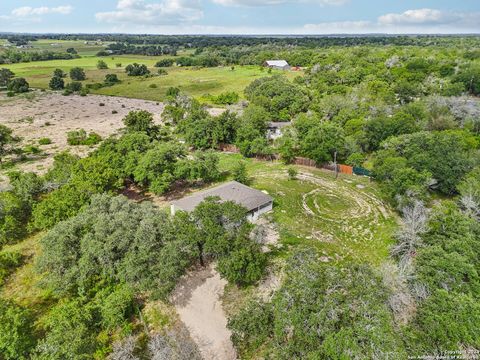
(23, 285)
(90, 48)
(197, 82)
(63, 45)
(344, 219)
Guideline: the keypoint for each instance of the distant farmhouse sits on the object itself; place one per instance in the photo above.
(277, 64)
(275, 129)
(255, 201)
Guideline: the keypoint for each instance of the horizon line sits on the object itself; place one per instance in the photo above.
(240, 34)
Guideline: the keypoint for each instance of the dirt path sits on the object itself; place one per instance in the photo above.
(197, 301)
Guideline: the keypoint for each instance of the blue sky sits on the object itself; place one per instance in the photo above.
(241, 16)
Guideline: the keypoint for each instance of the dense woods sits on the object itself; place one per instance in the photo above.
(405, 108)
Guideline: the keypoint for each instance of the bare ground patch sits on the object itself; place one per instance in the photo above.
(197, 299)
(51, 115)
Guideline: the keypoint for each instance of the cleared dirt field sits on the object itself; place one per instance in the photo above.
(51, 115)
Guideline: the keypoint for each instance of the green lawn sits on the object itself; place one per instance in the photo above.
(344, 219)
(23, 286)
(197, 82)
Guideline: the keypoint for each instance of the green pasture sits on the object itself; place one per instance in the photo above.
(346, 219)
(197, 82)
(62, 45)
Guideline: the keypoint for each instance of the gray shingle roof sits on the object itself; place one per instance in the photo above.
(278, 124)
(231, 191)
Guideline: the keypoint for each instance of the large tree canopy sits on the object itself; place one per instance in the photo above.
(118, 241)
(278, 96)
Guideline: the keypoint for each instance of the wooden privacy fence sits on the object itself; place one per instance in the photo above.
(345, 169)
(342, 169)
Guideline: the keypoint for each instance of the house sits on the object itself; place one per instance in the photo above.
(256, 202)
(274, 129)
(277, 64)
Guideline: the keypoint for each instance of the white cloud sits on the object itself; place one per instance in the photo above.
(417, 17)
(140, 12)
(27, 11)
(411, 21)
(277, 2)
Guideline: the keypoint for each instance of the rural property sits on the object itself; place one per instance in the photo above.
(186, 180)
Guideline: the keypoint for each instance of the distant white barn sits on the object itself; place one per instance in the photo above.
(277, 64)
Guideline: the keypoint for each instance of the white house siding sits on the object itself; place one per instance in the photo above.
(254, 214)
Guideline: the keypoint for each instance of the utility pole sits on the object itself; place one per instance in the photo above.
(335, 163)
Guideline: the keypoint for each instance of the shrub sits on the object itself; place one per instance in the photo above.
(31, 149)
(164, 63)
(244, 265)
(56, 83)
(140, 120)
(240, 173)
(252, 326)
(173, 92)
(152, 86)
(9, 261)
(95, 86)
(292, 173)
(116, 306)
(18, 85)
(227, 98)
(59, 73)
(16, 331)
(111, 79)
(77, 74)
(137, 69)
(74, 86)
(355, 159)
(5, 76)
(79, 137)
(69, 332)
(13, 219)
(45, 141)
(102, 65)
(162, 72)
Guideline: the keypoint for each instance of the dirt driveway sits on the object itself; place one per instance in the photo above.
(197, 301)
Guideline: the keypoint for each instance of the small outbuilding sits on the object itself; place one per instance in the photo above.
(255, 201)
(275, 129)
(277, 64)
